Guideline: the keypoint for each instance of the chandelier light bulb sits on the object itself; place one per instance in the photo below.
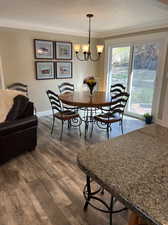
(99, 48)
(77, 48)
(85, 48)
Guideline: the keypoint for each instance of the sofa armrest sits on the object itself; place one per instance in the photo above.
(9, 127)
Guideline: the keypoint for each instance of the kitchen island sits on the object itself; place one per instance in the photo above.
(134, 169)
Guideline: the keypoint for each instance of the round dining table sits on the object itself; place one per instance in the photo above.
(84, 99)
(89, 102)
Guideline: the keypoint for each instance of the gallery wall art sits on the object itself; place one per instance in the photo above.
(53, 59)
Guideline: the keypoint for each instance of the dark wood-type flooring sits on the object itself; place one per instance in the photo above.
(45, 187)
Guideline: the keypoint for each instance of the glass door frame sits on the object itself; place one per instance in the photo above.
(108, 78)
(132, 43)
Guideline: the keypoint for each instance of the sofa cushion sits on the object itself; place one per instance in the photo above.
(6, 102)
(7, 128)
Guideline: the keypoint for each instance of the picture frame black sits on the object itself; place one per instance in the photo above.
(39, 66)
(63, 50)
(63, 70)
(43, 49)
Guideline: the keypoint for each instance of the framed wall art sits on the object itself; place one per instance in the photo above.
(43, 49)
(63, 50)
(44, 70)
(63, 70)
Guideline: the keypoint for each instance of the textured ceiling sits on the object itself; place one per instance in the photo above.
(68, 16)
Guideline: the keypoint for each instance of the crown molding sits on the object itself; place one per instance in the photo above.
(155, 27)
(160, 26)
(42, 28)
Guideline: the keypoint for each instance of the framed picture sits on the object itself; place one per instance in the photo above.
(63, 50)
(43, 49)
(63, 70)
(44, 70)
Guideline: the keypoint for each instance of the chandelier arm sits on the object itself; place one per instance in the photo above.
(95, 59)
(86, 56)
(84, 59)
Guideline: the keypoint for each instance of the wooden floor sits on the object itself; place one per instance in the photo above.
(45, 187)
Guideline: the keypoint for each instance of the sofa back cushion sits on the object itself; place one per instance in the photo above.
(6, 102)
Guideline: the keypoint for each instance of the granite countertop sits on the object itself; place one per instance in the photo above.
(134, 168)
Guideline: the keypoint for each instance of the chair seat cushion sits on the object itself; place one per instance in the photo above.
(108, 117)
(66, 115)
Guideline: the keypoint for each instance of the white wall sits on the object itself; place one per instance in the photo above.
(16, 49)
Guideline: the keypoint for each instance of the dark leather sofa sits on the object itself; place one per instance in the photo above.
(17, 137)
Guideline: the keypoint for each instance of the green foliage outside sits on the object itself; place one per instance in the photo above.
(142, 85)
(145, 97)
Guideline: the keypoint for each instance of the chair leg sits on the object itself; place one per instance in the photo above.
(84, 113)
(111, 210)
(122, 127)
(69, 124)
(79, 131)
(88, 192)
(52, 125)
(92, 129)
(86, 123)
(108, 128)
(62, 125)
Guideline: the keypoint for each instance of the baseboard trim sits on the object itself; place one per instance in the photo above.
(44, 113)
(49, 112)
(162, 123)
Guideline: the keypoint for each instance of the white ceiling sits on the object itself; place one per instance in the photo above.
(68, 16)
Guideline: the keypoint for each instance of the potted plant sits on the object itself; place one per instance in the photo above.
(148, 118)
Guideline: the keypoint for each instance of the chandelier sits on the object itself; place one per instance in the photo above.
(86, 48)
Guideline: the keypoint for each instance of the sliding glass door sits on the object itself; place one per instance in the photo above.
(142, 80)
(135, 66)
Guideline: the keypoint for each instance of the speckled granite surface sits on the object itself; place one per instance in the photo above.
(133, 167)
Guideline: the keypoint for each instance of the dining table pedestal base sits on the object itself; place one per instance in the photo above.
(88, 118)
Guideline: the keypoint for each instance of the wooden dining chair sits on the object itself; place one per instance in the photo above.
(113, 114)
(117, 89)
(19, 87)
(61, 114)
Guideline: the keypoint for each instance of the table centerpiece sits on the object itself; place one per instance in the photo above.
(90, 81)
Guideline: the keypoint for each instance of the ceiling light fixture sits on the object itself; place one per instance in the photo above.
(86, 48)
